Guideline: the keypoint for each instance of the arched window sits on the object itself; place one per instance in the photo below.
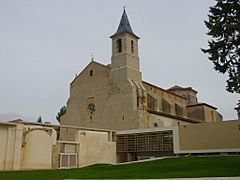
(155, 125)
(119, 45)
(132, 46)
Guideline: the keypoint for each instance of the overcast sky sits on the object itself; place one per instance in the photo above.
(44, 43)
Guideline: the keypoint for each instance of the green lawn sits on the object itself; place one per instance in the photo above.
(165, 168)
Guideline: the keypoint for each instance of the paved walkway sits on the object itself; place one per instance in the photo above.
(144, 160)
(206, 178)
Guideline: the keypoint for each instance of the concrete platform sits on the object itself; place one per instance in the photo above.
(206, 178)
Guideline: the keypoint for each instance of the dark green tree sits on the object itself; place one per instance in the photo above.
(61, 112)
(39, 120)
(224, 45)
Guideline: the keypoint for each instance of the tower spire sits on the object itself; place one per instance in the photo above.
(124, 26)
(125, 61)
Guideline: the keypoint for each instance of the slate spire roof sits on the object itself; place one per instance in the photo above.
(124, 26)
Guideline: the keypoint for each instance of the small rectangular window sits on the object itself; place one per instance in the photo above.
(68, 160)
(91, 73)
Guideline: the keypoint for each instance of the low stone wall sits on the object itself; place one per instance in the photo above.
(35, 146)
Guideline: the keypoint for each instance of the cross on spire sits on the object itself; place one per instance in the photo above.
(92, 57)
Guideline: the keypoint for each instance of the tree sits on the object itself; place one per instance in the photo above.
(224, 47)
(61, 112)
(39, 120)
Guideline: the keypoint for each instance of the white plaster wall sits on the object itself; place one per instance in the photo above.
(37, 152)
(31, 147)
(3, 145)
(95, 148)
(8, 154)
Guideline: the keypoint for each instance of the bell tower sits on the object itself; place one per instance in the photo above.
(125, 60)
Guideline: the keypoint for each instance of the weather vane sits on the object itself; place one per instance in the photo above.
(124, 7)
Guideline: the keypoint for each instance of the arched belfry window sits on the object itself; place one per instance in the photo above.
(132, 46)
(119, 45)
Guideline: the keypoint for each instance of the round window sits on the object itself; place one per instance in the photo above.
(91, 108)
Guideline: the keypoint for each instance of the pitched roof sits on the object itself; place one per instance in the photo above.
(124, 26)
(176, 87)
(161, 89)
(201, 104)
(17, 121)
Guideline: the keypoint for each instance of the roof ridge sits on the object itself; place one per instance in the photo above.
(169, 92)
(91, 62)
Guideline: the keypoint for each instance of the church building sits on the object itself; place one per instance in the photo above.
(114, 116)
(114, 96)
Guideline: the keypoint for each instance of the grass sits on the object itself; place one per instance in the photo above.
(165, 168)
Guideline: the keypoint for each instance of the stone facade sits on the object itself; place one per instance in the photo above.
(115, 96)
